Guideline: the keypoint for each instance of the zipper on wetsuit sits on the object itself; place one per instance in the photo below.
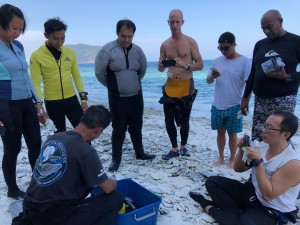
(126, 57)
(58, 62)
(12, 49)
(60, 77)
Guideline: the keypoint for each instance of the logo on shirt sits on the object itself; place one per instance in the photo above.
(51, 164)
(271, 53)
(269, 172)
(102, 172)
(67, 59)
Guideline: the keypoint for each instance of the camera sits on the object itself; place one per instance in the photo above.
(247, 140)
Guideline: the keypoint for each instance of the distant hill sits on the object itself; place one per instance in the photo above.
(85, 53)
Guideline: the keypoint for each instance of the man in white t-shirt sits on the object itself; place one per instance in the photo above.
(270, 194)
(231, 71)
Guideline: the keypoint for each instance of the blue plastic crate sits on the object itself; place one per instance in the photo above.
(148, 203)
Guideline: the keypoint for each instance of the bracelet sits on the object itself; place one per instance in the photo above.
(40, 102)
(83, 96)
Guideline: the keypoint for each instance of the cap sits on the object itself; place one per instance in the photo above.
(227, 37)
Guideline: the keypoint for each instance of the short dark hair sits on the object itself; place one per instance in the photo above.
(227, 37)
(7, 12)
(289, 122)
(54, 24)
(127, 23)
(96, 116)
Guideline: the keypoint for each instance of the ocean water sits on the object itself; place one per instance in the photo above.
(152, 89)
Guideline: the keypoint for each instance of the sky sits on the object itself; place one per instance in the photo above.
(93, 22)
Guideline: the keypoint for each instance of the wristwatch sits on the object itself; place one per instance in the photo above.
(188, 66)
(83, 96)
(256, 162)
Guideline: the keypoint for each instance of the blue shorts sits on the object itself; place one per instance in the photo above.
(226, 119)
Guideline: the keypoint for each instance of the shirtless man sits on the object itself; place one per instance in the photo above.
(179, 92)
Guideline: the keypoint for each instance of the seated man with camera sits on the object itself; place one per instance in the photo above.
(269, 196)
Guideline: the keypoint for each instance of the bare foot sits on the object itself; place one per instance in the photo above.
(207, 208)
(219, 162)
(230, 164)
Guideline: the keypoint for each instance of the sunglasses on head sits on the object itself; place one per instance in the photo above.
(223, 48)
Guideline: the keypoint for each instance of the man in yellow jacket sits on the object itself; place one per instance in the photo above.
(56, 66)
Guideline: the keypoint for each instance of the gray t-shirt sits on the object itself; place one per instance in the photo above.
(230, 85)
(65, 170)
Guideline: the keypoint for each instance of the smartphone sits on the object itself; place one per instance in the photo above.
(214, 69)
(2, 130)
(169, 62)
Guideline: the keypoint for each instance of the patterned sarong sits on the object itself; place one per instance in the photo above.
(264, 107)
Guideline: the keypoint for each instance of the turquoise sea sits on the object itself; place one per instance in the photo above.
(152, 83)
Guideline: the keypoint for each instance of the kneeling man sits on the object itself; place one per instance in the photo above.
(64, 174)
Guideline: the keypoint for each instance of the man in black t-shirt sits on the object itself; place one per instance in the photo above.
(273, 77)
(66, 170)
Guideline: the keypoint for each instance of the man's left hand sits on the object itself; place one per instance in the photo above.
(280, 75)
(84, 106)
(180, 63)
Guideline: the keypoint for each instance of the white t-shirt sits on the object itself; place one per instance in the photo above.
(230, 85)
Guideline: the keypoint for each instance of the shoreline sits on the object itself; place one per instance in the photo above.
(172, 179)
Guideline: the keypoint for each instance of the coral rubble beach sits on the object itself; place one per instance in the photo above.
(172, 179)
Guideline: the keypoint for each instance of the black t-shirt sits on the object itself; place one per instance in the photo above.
(287, 48)
(65, 170)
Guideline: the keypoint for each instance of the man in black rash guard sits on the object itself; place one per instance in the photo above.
(276, 89)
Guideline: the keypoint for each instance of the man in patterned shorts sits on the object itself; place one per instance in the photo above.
(231, 71)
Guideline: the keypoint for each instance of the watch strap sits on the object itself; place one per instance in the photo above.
(256, 162)
(83, 96)
(188, 66)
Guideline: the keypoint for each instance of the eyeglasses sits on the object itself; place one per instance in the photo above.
(267, 129)
(223, 48)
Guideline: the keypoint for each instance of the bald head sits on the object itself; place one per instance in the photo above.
(176, 11)
(271, 24)
(272, 14)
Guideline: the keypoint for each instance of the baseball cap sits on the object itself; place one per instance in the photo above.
(227, 37)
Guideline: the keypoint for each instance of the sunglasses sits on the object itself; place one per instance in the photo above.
(223, 48)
